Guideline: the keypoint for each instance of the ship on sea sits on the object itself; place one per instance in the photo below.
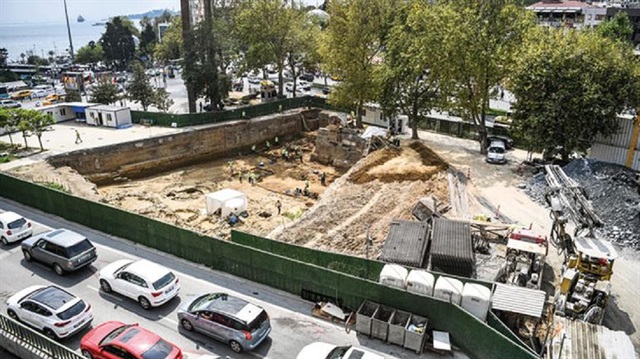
(80, 18)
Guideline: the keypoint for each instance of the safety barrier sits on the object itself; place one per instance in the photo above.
(473, 336)
(26, 343)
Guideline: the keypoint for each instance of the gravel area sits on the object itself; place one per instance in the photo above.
(612, 191)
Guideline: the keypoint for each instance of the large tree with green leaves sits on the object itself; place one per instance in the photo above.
(33, 122)
(353, 45)
(267, 28)
(89, 54)
(570, 86)
(482, 43)
(105, 92)
(148, 41)
(618, 28)
(8, 121)
(414, 58)
(117, 43)
(170, 47)
(140, 90)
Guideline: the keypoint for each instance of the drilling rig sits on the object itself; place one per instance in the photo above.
(588, 266)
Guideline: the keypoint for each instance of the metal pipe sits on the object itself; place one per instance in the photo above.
(66, 14)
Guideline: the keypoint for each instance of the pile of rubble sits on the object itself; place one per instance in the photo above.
(612, 191)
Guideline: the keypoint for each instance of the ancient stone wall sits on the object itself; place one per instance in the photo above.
(141, 158)
(339, 147)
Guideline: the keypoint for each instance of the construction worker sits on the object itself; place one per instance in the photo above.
(285, 153)
(306, 185)
(78, 139)
(241, 173)
(230, 164)
(276, 141)
(278, 206)
(323, 179)
(253, 149)
(268, 145)
(252, 178)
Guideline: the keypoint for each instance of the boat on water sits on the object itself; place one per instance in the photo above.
(99, 24)
(80, 18)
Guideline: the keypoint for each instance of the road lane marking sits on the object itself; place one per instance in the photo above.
(107, 294)
(175, 322)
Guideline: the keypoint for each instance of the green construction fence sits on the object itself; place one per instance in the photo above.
(474, 337)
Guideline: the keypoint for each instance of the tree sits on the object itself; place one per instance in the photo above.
(117, 43)
(140, 90)
(8, 122)
(353, 43)
(4, 55)
(162, 100)
(37, 123)
(23, 124)
(72, 96)
(618, 28)
(37, 60)
(171, 45)
(148, 41)
(105, 92)
(302, 47)
(89, 54)
(570, 86)
(413, 60)
(188, 74)
(5, 74)
(482, 43)
(266, 26)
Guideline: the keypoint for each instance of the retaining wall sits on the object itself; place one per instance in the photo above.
(474, 337)
(145, 157)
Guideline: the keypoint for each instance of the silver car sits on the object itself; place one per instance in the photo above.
(228, 319)
(62, 249)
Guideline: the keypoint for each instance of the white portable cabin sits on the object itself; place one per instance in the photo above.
(226, 201)
(420, 282)
(66, 111)
(448, 289)
(110, 116)
(393, 275)
(476, 299)
(372, 114)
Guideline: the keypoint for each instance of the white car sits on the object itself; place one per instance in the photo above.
(58, 313)
(319, 350)
(14, 227)
(150, 284)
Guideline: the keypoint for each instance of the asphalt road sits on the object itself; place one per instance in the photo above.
(293, 327)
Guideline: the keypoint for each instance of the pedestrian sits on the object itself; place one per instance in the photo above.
(276, 141)
(241, 173)
(502, 94)
(200, 106)
(323, 179)
(278, 206)
(78, 138)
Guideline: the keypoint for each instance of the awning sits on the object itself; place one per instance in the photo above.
(514, 299)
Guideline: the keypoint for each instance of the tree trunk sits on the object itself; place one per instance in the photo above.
(359, 114)
(10, 138)
(26, 145)
(40, 142)
(281, 78)
(414, 121)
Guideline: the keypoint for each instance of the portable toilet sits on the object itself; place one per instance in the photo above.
(476, 299)
(448, 289)
(393, 275)
(420, 282)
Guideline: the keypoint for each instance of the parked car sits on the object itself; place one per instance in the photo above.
(52, 99)
(303, 85)
(42, 91)
(319, 350)
(112, 340)
(58, 313)
(228, 319)
(253, 80)
(508, 141)
(307, 77)
(63, 249)
(326, 90)
(13, 227)
(21, 95)
(496, 153)
(9, 104)
(288, 86)
(150, 284)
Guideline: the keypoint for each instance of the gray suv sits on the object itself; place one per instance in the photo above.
(63, 249)
(231, 320)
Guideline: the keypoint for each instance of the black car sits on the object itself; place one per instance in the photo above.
(508, 141)
(306, 77)
(326, 90)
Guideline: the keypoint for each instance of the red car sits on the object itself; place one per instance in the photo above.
(116, 340)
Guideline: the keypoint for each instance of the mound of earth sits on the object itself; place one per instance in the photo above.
(65, 178)
(380, 188)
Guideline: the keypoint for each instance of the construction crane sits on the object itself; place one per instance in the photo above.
(585, 287)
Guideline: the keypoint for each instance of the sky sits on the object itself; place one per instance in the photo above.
(38, 11)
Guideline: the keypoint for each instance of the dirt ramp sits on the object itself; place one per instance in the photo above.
(414, 162)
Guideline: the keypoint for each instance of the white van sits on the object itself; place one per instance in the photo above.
(42, 91)
(496, 153)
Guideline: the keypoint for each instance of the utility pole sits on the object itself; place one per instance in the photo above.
(66, 14)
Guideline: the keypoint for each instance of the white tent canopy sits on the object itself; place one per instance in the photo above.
(227, 201)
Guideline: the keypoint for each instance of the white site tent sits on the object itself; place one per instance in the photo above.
(227, 201)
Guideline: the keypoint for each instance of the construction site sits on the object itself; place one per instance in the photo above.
(310, 179)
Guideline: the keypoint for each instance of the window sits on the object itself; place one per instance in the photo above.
(109, 117)
(117, 351)
(54, 249)
(63, 111)
(78, 248)
(159, 350)
(220, 319)
(18, 223)
(364, 112)
(164, 281)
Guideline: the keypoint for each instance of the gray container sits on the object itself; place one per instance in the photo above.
(364, 316)
(415, 333)
(398, 326)
(380, 322)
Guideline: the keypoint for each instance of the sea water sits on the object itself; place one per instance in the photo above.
(40, 38)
